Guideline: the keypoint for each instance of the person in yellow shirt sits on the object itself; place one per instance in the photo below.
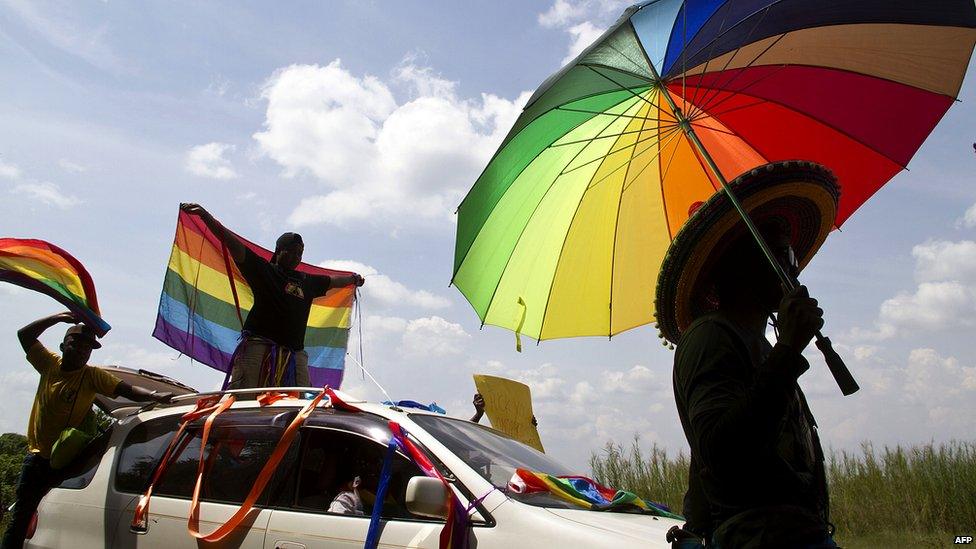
(65, 394)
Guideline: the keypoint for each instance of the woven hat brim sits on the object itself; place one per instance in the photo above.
(803, 194)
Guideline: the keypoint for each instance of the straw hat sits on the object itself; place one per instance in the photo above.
(802, 194)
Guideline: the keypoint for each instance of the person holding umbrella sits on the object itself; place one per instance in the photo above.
(757, 475)
(271, 351)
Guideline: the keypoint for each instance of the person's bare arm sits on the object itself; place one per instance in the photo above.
(234, 246)
(28, 334)
(346, 280)
(138, 394)
(479, 407)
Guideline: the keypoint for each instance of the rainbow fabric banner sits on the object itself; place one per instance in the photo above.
(583, 492)
(43, 267)
(201, 312)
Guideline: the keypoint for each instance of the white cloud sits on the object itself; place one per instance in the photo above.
(968, 219)
(433, 337)
(71, 167)
(932, 378)
(48, 193)
(209, 161)
(378, 158)
(9, 171)
(386, 290)
(638, 379)
(583, 20)
(68, 31)
(19, 387)
(561, 12)
(944, 298)
(583, 34)
(135, 357)
(942, 260)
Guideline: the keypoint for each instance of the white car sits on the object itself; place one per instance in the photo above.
(94, 506)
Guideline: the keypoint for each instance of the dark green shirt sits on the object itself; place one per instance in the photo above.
(753, 439)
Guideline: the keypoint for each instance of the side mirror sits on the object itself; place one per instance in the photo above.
(427, 497)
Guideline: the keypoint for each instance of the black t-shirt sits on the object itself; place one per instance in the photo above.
(282, 300)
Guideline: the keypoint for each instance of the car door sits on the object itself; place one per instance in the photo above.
(336, 445)
(239, 445)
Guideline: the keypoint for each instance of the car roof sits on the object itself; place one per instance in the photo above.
(185, 402)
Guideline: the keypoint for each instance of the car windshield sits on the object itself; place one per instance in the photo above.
(493, 454)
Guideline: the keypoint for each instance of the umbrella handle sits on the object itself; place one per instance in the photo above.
(838, 369)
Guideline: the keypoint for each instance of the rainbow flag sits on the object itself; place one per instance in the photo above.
(43, 267)
(584, 492)
(205, 300)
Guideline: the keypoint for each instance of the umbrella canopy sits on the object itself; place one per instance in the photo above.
(563, 233)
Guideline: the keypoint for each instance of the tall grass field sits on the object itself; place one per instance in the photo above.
(916, 496)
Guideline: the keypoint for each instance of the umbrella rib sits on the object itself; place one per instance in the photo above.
(599, 137)
(664, 174)
(616, 227)
(600, 158)
(604, 113)
(622, 87)
(684, 58)
(711, 129)
(624, 55)
(657, 154)
(524, 227)
(737, 50)
(718, 36)
(732, 94)
(714, 90)
(454, 274)
(604, 178)
(827, 125)
(540, 115)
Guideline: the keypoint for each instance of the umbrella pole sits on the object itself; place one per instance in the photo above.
(842, 375)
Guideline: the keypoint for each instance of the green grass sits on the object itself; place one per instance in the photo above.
(916, 496)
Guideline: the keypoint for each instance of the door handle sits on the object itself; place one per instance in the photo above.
(280, 544)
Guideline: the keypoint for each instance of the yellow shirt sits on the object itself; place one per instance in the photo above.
(56, 397)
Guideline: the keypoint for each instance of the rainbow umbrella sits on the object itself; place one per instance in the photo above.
(565, 230)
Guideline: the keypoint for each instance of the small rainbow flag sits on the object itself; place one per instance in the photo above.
(205, 300)
(43, 267)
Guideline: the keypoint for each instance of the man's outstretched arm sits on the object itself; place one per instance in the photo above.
(28, 334)
(234, 246)
(138, 394)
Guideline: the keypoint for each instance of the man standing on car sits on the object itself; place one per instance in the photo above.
(271, 352)
(756, 477)
(64, 397)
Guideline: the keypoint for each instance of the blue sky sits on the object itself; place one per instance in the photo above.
(361, 125)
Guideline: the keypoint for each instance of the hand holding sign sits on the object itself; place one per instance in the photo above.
(508, 404)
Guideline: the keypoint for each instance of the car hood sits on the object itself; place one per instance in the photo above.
(638, 527)
(142, 378)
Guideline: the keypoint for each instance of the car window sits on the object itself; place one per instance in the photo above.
(331, 457)
(141, 450)
(238, 447)
(79, 473)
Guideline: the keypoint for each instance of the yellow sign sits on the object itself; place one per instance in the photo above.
(508, 404)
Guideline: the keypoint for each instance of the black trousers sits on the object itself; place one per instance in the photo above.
(36, 478)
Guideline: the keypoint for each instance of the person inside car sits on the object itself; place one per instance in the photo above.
(64, 397)
(347, 501)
